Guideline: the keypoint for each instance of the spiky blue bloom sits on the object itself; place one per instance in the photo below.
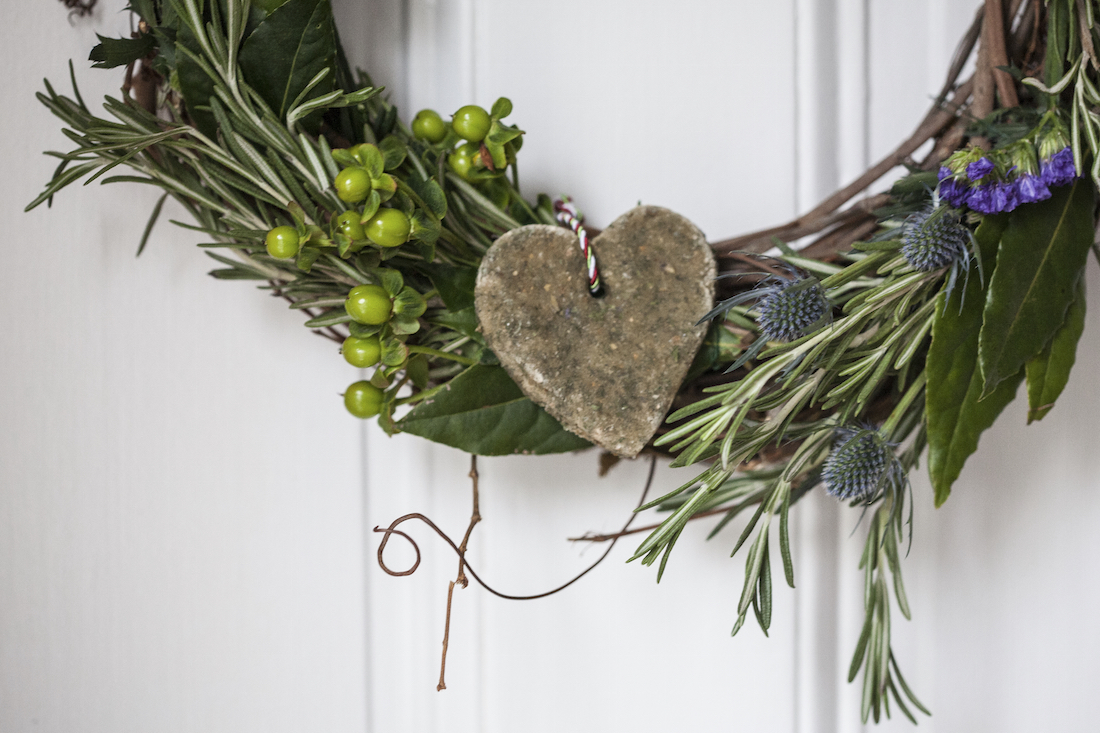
(861, 465)
(934, 238)
(791, 308)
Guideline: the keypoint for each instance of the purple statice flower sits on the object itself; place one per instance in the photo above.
(979, 169)
(993, 198)
(1058, 170)
(1031, 188)
(1007, 195)
(980, 199)
(952, 191)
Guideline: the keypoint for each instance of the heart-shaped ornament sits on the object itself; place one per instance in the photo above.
(607, 368)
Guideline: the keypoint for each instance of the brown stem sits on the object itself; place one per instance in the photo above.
(825, 213)
(475, 517)
(993, 34)
(393, 530)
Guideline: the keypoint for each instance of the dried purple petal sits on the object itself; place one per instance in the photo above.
(979, 169)
(1059, 169)
(1031, 188)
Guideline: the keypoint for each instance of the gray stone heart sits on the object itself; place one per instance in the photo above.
(607, 368)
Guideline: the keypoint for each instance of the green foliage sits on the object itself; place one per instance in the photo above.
(482, 411)
(956, 411)
(112, 52)
(1048, 373)
(1039, 262)
(288, 50)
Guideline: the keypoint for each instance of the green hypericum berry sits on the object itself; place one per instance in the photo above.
(471, 123)
(462, 159)
(282, 242)
(349, 225)
(352, 185)
(362, 353)
(363, 399)
(428, 125)
(369, 304)
(389, 228)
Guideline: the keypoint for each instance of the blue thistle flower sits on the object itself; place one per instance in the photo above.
(790, 305)
(934, 238)
(791, 308)
(861, 465)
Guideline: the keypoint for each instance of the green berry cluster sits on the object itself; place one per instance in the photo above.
(478, 145)
(379, 225)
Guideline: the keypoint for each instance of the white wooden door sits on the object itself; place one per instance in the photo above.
(186, 512)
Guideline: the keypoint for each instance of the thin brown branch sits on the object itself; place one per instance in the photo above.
(993, 33)
(392, 530)
(825, 214)
(475, 517)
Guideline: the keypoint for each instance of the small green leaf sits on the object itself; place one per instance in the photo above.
(370, 207)
(501, 108)
(1039, 261)
(393, 151)
(362, 330)
(370, 157)
(404, 325)
(482, 411)
(112, 52)
(344, 158)
(1048, 373)
(390, 279)
(394, 352)
(956, 417)
(409, 303)
(288, 49)
(306, 257)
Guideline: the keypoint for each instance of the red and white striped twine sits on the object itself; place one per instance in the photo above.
(566, 214)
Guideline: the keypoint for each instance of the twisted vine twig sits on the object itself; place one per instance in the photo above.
(464, 565)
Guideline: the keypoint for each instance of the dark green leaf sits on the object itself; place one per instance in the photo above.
(409, 303)
(290, 47)
(431, 193)
(417, 369)
(482, 411)
(463, 321)
(955, 417)
(196, 86)
(112, 52)
(1048, 373)
(455, 285)
(1042, 252)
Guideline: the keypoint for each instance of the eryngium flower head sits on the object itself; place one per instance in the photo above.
(791, 308)
(860, 465)
(934, 238)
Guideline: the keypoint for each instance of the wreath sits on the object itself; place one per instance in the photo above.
(902, 324)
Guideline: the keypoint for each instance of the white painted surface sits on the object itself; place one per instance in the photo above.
(184, 539)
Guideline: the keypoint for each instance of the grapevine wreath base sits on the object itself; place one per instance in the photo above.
(907, 322)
